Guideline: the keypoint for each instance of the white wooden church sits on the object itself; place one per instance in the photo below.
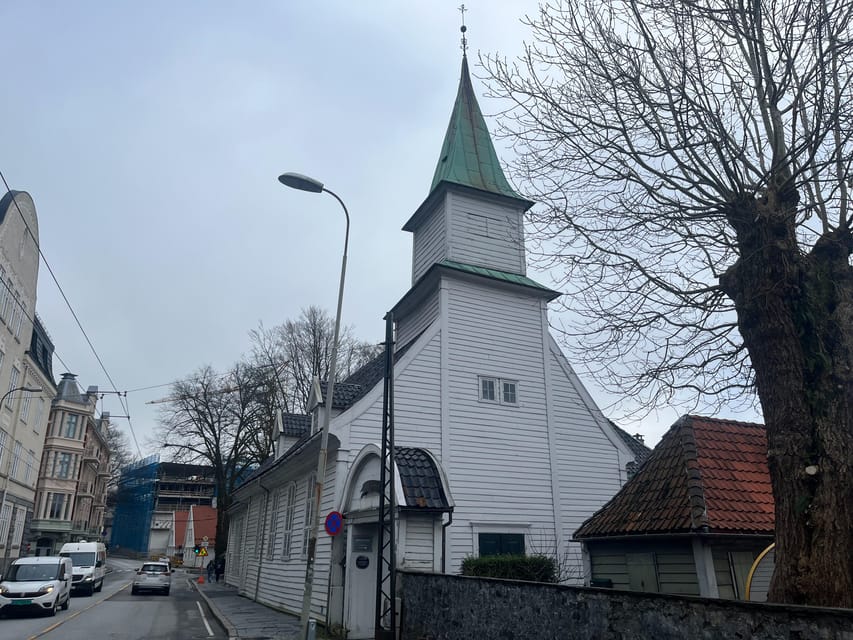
(499, 446)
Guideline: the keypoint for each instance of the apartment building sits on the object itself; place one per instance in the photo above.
(75, 469)
(26, 381)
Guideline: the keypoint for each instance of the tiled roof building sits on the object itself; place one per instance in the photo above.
(704, 495)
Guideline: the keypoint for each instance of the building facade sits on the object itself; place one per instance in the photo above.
(500, 448)
(148, 496)
(693, 519)
(74, 471)
(26, 381)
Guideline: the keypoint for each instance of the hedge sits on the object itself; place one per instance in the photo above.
(535, 568)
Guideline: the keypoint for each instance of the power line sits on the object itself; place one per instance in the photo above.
(73, 313)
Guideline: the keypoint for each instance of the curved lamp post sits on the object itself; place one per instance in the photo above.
(7, 466)
(304, 183)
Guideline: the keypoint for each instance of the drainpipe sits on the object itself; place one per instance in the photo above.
(444, 539)
(262, 529)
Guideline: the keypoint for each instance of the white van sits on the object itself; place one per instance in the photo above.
(40, 583)
(90, 564)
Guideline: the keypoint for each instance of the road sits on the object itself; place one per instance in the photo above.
(114, 614)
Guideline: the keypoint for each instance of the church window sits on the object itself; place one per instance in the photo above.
(509, 396)
(499, 544)
(487, 389)
(498, 390)
(310, 489)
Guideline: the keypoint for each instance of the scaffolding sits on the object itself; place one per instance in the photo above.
(135, 498)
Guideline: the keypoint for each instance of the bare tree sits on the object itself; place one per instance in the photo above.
(297, 350)
(211, 419)
(693, 163)
(120, 457)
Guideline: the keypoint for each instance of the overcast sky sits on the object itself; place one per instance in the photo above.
(150, 135)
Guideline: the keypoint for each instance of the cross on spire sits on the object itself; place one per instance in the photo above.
(463, 29)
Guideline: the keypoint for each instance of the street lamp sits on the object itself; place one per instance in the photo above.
(304, 183)
(8, 465)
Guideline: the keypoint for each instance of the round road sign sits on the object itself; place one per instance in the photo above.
(334, 523)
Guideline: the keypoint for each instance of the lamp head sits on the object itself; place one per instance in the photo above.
(298, 181)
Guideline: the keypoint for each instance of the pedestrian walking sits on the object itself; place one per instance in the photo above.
(220, 568)
(211, 568)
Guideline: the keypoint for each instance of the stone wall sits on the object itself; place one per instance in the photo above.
(443, 607)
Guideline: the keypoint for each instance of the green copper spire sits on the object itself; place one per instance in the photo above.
(468, 156)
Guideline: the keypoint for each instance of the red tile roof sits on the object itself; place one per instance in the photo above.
(204, 523)
(705, 474)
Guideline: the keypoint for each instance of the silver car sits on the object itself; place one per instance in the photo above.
(152, 576)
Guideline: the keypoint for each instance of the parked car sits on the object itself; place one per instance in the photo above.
(90, 565)
(152, 576)
(40, 584)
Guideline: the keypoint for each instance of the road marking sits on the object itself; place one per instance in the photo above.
(204, 619)
(73, 615)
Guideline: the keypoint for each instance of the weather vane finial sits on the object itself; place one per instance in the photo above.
(463, 29)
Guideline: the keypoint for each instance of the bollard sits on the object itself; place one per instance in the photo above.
(312, 630)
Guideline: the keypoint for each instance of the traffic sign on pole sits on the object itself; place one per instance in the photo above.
(334, 523)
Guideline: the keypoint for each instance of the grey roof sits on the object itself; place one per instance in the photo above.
(41, 349)
(68, 391)
(641, 452)
(346, 394)
(295, 425)
(362, 380)
(421, 479)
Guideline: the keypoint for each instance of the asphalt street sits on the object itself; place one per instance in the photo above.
(115, 614)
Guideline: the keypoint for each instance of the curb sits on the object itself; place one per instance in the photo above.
(225, 622)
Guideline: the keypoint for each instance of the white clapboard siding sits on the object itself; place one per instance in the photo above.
(429, 242)
(486, 233)
(250, 545)
(234, 564)
(498, 466)
(420, 542)
(413, 324)
(282, 580)
(587, 462)
(417, 402)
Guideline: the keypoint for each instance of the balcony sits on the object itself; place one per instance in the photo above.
(90, 455)
(48, 524)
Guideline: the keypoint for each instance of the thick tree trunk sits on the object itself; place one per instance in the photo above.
(795, 314)
(223, 503)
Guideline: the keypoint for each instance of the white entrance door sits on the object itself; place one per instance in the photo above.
(361, 581)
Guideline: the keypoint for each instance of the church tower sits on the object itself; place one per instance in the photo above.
(472, 215)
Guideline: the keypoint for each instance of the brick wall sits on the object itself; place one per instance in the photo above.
(442, 607)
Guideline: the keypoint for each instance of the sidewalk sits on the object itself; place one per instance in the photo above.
(245, 619)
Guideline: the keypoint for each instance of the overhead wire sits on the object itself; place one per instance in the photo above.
(74, 314)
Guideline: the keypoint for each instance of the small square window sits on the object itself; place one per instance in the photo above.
(509, 396)
(488, 391)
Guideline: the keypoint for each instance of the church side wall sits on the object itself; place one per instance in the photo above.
(409, 327)
(429, 242)
(259, 548)
(486, 233)
(419, 542)
(498, 466)
(587, 462)
(417, 405)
